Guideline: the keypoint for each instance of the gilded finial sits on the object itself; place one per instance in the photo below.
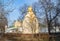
(29, 8)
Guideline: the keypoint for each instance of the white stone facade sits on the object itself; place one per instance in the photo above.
(30, 23)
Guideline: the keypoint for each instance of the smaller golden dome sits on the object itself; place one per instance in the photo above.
(17, 24)
(29, 9)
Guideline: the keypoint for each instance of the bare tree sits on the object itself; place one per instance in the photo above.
(50, 11)
(4, 15)
(22, 11)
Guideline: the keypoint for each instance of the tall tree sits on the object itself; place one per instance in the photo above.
(22, 11)
(49, 10)
(3, 15)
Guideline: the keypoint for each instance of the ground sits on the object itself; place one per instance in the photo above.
(24, 37)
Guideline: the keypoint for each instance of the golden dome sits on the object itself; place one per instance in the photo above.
(17, 24)
(31, 13)
(29, 8)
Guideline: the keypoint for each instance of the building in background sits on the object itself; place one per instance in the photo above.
(15, 28)
(18, 26)
(18, 23)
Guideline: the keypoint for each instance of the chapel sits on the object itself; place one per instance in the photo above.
(30, 22)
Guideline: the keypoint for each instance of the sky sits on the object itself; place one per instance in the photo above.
(16, 4)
